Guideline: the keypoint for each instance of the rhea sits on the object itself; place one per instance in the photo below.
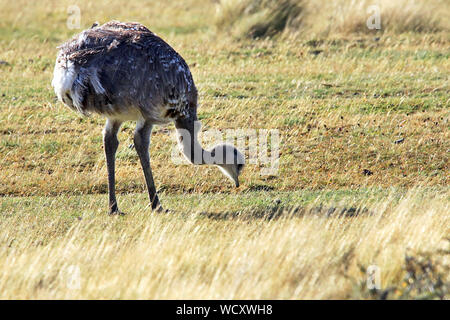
(124, 72)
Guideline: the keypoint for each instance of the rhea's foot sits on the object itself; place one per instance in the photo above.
(160, 209)
(116, 212)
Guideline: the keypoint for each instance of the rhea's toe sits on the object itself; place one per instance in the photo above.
(160, 209)
(116, 213)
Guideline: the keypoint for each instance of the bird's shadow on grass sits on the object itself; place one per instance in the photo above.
(260, 187)
(276, 212)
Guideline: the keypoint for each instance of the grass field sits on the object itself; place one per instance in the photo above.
(363, 176)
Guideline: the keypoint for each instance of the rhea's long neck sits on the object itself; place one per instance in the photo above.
(190, 146)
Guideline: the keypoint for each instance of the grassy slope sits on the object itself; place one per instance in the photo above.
(338, 112)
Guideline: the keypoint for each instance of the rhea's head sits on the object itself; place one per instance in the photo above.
(229, 160)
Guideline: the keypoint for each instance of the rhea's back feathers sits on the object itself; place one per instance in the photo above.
(123, 68)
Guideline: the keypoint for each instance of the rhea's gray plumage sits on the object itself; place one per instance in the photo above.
(123, 71)
(124, 68)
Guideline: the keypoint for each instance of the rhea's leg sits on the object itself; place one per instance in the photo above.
(111, 143)
(142, 143)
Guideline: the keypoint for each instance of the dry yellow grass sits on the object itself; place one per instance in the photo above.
(192, 256)
(262, 18)
(350, 16)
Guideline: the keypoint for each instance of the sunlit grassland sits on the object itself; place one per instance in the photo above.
(340, 103)
(308, 253)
